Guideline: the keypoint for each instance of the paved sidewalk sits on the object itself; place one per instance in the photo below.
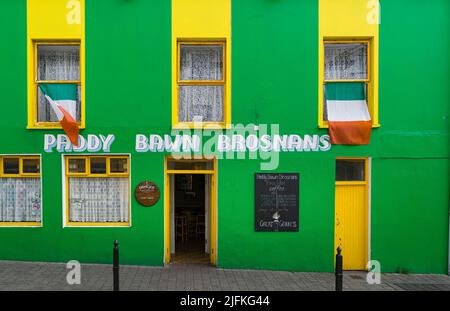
(20, 276)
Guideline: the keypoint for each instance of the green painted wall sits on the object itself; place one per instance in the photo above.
(274, 68)
(123, 60)
(274, 47)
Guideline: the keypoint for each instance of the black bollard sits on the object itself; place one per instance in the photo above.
(116, 266)
(338, 270)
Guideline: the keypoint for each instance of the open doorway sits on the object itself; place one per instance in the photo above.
(190, 212)
(189, 217)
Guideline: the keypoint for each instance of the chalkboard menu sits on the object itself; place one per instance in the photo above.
(276, 202)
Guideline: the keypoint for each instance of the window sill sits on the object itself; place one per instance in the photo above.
(325, 126)
(97, 225)
(201, 125)
(50, 126)
(21, 224)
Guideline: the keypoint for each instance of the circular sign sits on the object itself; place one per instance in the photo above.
(147, 193)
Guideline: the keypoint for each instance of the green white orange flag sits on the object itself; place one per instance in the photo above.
(63, 100)
(348, 116)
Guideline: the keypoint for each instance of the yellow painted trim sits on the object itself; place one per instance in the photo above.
(21, 174)
(204, 125)
(48, 23)
(213, 209)
(201, 172)
(30, 174)
(119, 174)
(223, 82)
(21, 224)
(167, 242)
(201, 22)
(345, 21)
(97, 224)
(33, 101)
(68, 173)
(368, 81)
(88, 174)
(350, 183)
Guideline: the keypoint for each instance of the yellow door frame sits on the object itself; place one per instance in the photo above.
(212, 211)
(366, 183)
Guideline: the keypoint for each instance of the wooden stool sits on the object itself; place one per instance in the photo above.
(181, 227)
(200, 226)
(191, 225)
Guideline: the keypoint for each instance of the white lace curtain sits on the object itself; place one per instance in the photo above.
(57, 62)
(20, 199)
(201, 102)
(98, 199)
(345, 61)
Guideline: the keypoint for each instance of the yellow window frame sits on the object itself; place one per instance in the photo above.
(369, 81)
(21, 174)
(88, 174)
(33, 100)
(226, 109)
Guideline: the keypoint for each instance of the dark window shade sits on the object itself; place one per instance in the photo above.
(350, 170)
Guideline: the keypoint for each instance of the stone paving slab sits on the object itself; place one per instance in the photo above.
(30, 276)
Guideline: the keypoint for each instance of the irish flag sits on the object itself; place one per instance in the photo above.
(63, 99)
(348, 116)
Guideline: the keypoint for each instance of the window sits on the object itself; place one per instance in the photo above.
(350, 170)
(97, 191)
(347, 62)
(20, 191)
(57, 69)
(201, 82)
(189, 165)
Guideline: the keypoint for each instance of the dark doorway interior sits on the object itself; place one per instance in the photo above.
(190, 224)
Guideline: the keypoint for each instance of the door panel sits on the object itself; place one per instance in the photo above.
(351, 224)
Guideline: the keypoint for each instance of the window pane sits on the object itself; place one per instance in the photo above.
(190, 165)
(345, 61)
(201, 62)
(350, 170)
(31, 166)
(45, 111)
(20, 199)
(58, 62)
(200, 103)
(98, 199)
(77, 166)
(118, 165)
(98, 165)
(11, 166)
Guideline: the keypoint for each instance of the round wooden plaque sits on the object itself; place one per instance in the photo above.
(147, 193)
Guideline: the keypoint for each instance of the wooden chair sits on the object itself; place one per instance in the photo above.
(181, 228)
(200, 226)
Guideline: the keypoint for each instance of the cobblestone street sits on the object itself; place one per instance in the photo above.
(23, 276)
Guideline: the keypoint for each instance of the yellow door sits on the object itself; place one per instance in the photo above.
(351, 212)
